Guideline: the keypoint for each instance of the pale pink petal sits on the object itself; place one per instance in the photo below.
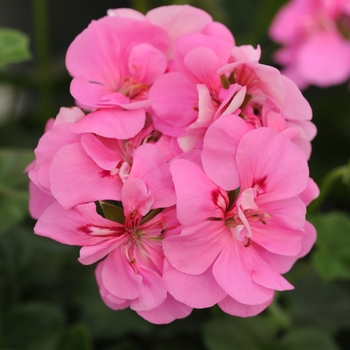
(219, 150)
(178, 20)
(220, 49)
(77, 179)
(174, 100)
(234, 269)
(201, 64)
(89, 93)
(69, 115)
(197, 291)
(271, 162)
(197, 247)
(146, 63)
(136, 197)
(310, 236)
(198, 197)
(310, 193)
(113, 122)
(105, 157)
(118, 277)
(51, 142)
(38, 200)
(218, 30)
(90, 254)
(261, 80)
(289, 212)
(276, 238)
(296, 107)
(126, 12)
(153, 290)
(109, 299)
(234, 308)
(155, 173)
(74, 226)
(324, 59)
(167, 312)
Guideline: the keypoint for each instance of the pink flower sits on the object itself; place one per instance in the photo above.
(316, 39)
(114, 62)
(130, 237)
(243, 238)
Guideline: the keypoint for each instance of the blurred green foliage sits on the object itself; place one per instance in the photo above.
(49, 301)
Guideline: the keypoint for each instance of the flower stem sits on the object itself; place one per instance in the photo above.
(326, 185)
(43, 58)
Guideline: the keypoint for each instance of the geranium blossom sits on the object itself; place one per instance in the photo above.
(316, 39)
(183, 172)
(237, 237)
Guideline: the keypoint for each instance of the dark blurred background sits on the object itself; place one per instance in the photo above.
(49, 301)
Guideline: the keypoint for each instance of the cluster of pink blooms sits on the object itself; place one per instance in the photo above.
(316, 39)
(182, 170)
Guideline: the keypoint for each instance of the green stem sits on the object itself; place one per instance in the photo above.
(140, 5)
(43, 58)
(326, 185)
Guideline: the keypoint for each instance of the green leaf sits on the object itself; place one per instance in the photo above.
(229, 333)
(319, 303)
(78, 337)
(332, 253)
(111, 211)
(14, 47)
(307, 339)
(34, 326)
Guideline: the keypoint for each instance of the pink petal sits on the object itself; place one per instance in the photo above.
(73, 226)
(324, 59)
(167, 312)
(113, 123)
(174, 100)
(197, 247)
(296, 107)
(310, 193)
(197, 291)
(218, 30)
(234, 308)
(77, 179)
(153, 290)
(69, 115)
(198, 198)
(136, 197)
(38, 200)
(272, 162)
(234, 270)
(109, 299)
(155, 173)
(118, 277)
(105, 157)
(126, 12)
(219, 150)
(91, 254)
(146, 63)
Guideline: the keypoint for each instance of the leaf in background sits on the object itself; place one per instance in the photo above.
(332, 254)
(315, 302)
(229, 333)
(14, 46)
(78, 337)
(307, 339)
(34, 326)
(13, 187)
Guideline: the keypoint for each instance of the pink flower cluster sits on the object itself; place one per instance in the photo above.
(186, 176)
(316, 39)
